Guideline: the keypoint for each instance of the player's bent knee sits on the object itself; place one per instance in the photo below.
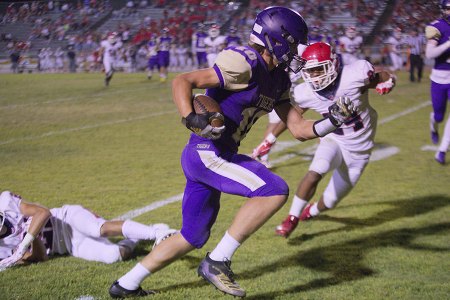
(330, 202)
(197, 238)
(113, 256)
(320, 167)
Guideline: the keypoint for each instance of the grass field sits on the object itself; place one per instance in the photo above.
(67, 139)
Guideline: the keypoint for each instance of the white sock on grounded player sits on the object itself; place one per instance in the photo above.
(314, 210)
(297, 206)
(134, 277)
(135, 230)
(225, 249)
(271, 138)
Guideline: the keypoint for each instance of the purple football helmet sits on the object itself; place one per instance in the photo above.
(280, 30)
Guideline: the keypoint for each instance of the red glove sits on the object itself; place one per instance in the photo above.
(262, 149)
(385, 87)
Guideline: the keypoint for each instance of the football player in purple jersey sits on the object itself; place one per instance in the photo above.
(232, 38)
(248, 82)
(164, 43)
(152, 54)
(438, 47)
(199, 47)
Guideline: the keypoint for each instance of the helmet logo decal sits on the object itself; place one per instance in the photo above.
(257, 28)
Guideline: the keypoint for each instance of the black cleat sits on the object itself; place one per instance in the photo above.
(220, 275)
(116, 291)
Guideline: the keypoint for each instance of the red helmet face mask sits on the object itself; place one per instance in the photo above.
(321, 67)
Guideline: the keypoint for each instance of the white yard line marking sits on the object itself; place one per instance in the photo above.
(284, 145)
(137, 212)
(404, 113)
(433, 148)
(63, 131)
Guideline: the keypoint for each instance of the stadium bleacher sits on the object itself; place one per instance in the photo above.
(43, 25)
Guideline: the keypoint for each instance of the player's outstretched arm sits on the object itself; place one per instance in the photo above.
(299, 127)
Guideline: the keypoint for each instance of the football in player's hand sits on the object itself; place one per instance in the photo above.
(204, 104)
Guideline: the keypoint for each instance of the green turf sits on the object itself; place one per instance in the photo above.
(67, 139)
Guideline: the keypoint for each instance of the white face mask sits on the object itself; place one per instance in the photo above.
(319, 75)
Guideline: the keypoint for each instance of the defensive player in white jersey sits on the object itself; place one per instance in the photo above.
(71, 229)
(350, 45)
(109, 52)
(214, 44)
(347, 150)
(396, 49)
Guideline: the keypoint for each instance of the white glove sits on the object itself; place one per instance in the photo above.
(385, 87)
(20, 251)
(342, 110)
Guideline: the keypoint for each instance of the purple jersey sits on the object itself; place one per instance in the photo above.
(164, 43)
(439, 31)
(199, 38)
(245, 97)
(152, 47)
(233, 40)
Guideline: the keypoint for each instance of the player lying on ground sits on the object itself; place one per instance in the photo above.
(248, 82)
(71, 229)
(347, 150)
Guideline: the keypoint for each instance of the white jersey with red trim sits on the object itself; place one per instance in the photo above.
(111, 51)
(356, 135)
(15, 222)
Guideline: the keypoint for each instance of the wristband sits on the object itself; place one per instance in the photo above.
(27, 240)
(323, 127)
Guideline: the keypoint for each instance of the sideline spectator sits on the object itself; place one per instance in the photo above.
(15, 58)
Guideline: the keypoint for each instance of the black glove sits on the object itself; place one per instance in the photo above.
(200, 124)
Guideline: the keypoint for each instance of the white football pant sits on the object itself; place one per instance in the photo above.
(83, 230)
(348, 168)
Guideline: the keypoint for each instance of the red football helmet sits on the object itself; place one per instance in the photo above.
(321, 67)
